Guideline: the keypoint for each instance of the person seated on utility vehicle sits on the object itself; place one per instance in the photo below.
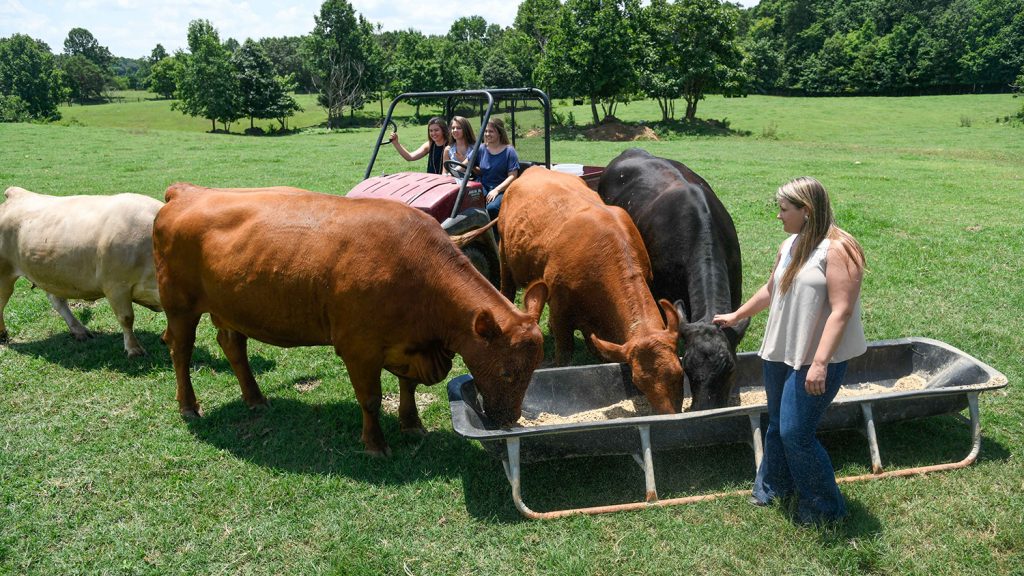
(437, 139)
(462, 140)
(498, 163)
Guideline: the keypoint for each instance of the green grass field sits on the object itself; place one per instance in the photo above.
(99, 474)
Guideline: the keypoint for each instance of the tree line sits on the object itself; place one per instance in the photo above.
(601, 52)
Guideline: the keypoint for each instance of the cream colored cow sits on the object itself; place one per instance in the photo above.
(80, 247)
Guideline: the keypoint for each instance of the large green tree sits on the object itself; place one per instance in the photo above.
(261, 94)
(336, 56)
(163, 77)
(206, 83)
(28, 72)
(593, 53)
(84, 79)
(81, 42)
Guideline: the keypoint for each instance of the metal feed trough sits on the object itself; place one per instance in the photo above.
(952, 379)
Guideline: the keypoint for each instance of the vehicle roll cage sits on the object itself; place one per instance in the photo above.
(483, 95)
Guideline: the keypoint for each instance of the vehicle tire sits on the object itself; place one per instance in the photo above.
(485, 261)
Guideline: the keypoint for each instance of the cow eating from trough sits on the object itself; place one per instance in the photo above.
(553, 227)
(379, 281)
(695, 260)
(82, 248)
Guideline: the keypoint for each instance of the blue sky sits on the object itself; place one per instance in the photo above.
(131, 28)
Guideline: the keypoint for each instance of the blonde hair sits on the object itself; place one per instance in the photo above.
(806, 192)
(467, 130)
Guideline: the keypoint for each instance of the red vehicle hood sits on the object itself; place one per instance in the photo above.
(433, 193)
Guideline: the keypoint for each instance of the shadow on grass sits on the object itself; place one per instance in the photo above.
(608, 480)
(306, 438)
(106, 350)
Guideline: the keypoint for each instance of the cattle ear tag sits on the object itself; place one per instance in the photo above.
(485, 326)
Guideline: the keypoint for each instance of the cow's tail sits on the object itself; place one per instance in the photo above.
(461, 240)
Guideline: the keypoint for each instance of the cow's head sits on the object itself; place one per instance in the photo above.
(709, 357)
(503, 353)
(653, 361)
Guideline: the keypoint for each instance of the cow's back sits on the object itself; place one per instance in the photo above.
(554, 218)
(292, 267)
(74, 246)
(689, 235)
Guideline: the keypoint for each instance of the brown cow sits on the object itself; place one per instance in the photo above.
(378, 280)
(553, 227)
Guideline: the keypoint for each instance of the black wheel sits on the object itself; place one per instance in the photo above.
(485, 261)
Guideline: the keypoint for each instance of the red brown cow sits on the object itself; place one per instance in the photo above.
(378, 280)
(553, 227)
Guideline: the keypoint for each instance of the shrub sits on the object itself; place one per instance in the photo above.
(13, 109)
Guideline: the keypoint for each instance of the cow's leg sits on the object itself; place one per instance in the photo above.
(61, 306)
(6, 290)
(561, 327)
(508, 285)
(234, 346)
(181, 329)
(121, 304)
(408, 413)
(365, 377)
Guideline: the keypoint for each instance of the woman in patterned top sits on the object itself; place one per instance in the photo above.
(462, 141)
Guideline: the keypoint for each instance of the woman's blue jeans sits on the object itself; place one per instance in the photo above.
(794, 459)
(494, 206)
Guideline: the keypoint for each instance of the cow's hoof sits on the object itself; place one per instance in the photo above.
(5, 338)
(377, 453)
(261, 404)
(135, 352)
(414, 430)
(191, 413)
(83, 335)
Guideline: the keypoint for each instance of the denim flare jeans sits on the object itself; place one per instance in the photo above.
(794, 459)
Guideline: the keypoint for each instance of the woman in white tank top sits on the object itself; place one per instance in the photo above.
(813, 329)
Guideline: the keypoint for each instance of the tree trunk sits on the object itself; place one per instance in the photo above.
(593, 110)
(213, 122)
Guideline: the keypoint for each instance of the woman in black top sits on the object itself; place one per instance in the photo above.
(433, 148)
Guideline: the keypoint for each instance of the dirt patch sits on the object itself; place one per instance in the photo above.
(391, 400)
(612, 130)
(307, 385)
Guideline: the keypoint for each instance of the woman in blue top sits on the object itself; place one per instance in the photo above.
(498, 163)
(433, 148)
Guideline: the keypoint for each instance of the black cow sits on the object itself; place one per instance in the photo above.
(695, 260)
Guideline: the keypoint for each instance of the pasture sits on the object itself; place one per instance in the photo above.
(99, 474)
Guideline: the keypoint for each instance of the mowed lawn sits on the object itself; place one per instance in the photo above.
(99, 474)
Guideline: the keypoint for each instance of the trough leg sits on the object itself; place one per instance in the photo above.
(869, 431)
(756, 440)
(646, 461)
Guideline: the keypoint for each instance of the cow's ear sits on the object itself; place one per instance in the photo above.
(485, 326)
(534, 298)
(608, 351)
(682, 311)
(671, 315)
(735, 333)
